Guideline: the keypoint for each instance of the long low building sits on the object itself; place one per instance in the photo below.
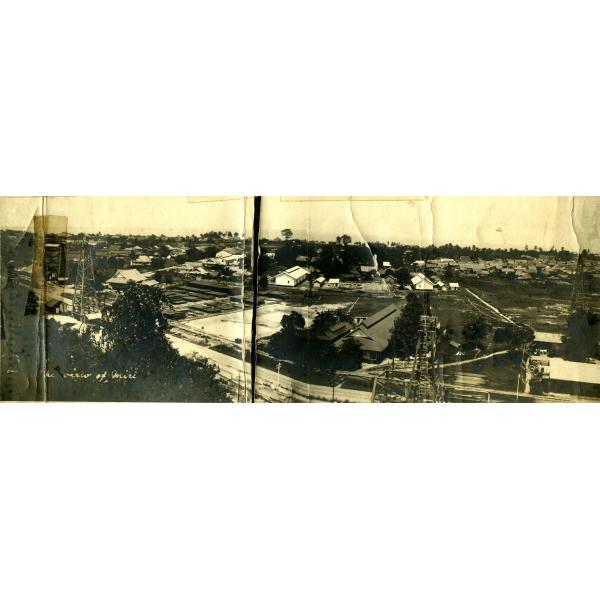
(124, 276)
(292, 277)
(575, 378)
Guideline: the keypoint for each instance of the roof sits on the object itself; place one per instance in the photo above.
(420, 278)
(230, 251)
(367, 268)
(294, 272)
(566, 370)
(124, 275)
(374, 332)
(387, 263)
(453, 285)
(547, 337)
(332, 280)
(336, 331)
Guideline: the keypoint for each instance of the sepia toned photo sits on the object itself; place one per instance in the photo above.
(125, 299)
(428, 299)
(300, 299)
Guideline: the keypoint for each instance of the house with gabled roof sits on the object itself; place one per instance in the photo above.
(422, 283)
(292, 277)
(373, 333)
(124, 276)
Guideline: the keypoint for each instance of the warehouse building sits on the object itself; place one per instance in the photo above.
(292, 277)
(574, 378)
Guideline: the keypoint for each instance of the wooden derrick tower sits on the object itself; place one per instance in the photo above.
(85, 300)
(578, 292)
(424, 386)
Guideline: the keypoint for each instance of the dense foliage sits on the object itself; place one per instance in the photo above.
(128, 357)
(403, 338)
(583, 335)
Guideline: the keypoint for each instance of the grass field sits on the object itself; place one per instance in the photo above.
(545, 307)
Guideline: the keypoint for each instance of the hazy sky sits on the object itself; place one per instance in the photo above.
(143, 214)
(484, 221)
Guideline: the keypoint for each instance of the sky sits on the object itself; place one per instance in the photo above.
(486, 221)
(137, 215)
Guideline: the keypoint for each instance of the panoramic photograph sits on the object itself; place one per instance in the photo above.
(300, 299)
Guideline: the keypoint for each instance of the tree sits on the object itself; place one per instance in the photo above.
(329, 263)
(350, 355)
(327, 318)
(583, 335)
(513, 336)
(286, 254)
(404, 335)
(345, 239)
(287, 234)
(448, 272)
(132, 360)
(402, 275)
(288, 342)
(134, 328)
(476, 331)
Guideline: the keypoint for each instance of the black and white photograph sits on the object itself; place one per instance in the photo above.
(301, 299)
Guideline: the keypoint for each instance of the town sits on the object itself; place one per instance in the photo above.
(340, 320)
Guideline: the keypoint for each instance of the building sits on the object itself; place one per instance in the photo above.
(227, 252)
(453, 286)
(292, 277)
(373, 333)
(332, 283)
(575, 378)
(368, 268)
(548, 342)
(142, 260)
(422, 283)
(124, 276)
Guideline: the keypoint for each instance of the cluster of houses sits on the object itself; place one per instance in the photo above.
(524, 268)
(297, 275)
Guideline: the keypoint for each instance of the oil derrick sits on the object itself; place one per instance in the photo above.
(578, 293)
(423, 386)
(85, 300)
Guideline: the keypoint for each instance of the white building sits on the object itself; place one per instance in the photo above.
(124, 276)
(420, 282)
(292, 277)
(453, 286)
(227, 252)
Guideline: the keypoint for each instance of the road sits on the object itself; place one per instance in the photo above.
(270, 386)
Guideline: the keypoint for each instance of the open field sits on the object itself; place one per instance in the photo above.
(545, 307)
(231, 325)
